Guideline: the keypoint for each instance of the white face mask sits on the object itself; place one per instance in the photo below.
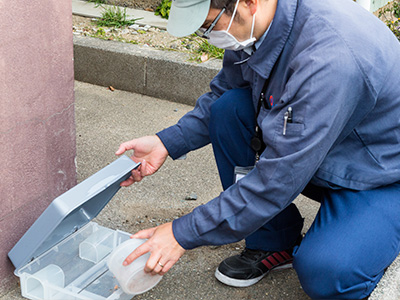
(224, 40)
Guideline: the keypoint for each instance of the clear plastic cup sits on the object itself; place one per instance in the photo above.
(131, 278)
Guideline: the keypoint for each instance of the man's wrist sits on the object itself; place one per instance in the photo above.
(183, 233)
(173, 141)
(162, 146)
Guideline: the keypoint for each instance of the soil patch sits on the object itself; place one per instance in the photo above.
(149, 5)
(151, 36)
(142, 35)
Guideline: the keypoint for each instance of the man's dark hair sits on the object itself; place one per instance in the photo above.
(219, 4)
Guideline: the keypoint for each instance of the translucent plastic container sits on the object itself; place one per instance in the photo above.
(63, 255)
(97, 246)
(76, 268)
(132, 278)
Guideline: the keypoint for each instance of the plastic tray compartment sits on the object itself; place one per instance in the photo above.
(75, 268)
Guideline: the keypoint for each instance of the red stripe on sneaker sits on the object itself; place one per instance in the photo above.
(285, 255)
(278, 257)
(267, 264)
(272, 260)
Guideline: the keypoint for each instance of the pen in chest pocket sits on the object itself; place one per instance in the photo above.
(287, 118)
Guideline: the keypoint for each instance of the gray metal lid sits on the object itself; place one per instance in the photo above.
(71, 211)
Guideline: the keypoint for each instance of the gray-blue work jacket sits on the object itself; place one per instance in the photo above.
(338, 67)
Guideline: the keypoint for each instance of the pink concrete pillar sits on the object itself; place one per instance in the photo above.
(37, 126)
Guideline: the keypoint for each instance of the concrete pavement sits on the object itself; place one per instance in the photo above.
(104, 119)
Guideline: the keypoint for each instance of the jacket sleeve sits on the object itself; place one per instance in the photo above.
(325, 109)
(191, 131)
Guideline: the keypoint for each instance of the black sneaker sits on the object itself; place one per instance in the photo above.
(251, 266)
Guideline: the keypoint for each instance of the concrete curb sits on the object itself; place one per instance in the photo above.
(139, 69)
(161, 74)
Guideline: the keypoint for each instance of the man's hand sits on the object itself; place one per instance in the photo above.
(148, 150)
(165, 250)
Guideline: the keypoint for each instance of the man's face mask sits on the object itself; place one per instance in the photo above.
(224, 40)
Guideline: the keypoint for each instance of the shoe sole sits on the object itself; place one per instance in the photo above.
(246, 282)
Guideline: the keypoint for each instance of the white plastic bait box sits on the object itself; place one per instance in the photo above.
(63, 255)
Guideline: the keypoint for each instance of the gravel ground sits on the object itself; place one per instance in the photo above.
(149, 5)
(142, 35)
(150, 36)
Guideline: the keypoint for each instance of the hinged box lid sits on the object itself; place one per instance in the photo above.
(71, 211)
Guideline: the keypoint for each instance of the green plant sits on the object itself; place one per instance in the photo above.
(114, 16)
(391, 16)
(206, 51)
(163, 9)
(98, 2)
(100, 32)
(396, 9)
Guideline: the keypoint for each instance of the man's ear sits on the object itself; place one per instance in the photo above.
(252, 5)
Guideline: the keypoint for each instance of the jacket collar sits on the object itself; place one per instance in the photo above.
(267, 54)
